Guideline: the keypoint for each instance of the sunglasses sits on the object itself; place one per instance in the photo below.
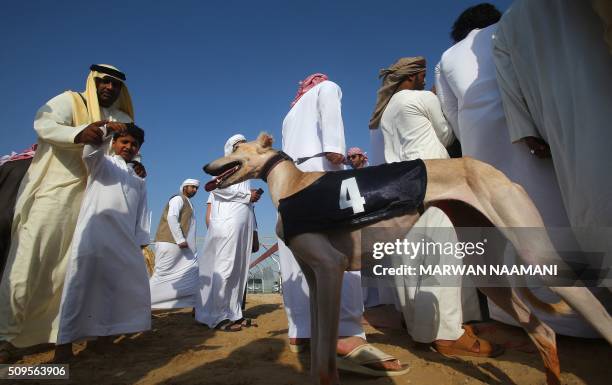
(354, 156)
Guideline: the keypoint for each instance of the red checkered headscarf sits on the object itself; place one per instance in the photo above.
(307, 84)
(356, 150)
(25, 154)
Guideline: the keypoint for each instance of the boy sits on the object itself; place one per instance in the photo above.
(106, 291)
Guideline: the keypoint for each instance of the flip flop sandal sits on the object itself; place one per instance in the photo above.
(356, 361)
(228, 326)
(469, 345)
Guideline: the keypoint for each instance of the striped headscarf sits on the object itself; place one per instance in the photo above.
(392, 77)
(124, 101)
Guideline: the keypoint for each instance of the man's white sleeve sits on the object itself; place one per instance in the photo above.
(332, 127)
(93, 155)
(174, 210)
(443, 130)
(448, 100)
(520, 122)
(53, 122)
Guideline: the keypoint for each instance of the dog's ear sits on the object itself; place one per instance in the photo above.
(265, 140)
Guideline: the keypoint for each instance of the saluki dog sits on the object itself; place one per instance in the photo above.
(325, 255)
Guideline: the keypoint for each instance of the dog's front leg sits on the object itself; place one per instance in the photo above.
(327, 266)
(312, 295)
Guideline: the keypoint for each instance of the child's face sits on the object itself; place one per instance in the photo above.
(126, 146)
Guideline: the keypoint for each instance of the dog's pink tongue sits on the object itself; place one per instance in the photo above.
(211, 185)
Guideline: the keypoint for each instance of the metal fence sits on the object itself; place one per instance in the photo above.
(264, 272)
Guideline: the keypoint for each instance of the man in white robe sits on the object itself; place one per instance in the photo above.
(413, 126)
(224, 264)
(554, 71)
(48, 205)
(467, 87)
(106, 290)
(174, 282)
(313, 135)
(356, 158)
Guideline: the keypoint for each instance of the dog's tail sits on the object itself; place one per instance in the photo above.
(560, 308)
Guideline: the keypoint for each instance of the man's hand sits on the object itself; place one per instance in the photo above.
(115, 127)
(91, 134)
(139, 169)
(255, 195)
(334, 157)
(538, 147)
(183, 245)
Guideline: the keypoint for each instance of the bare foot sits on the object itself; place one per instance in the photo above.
(347, 344)
(299, 345)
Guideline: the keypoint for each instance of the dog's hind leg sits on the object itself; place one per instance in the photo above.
(325, 266)
(508, 207)
(520, 221)
(540, 333)
(587, 305)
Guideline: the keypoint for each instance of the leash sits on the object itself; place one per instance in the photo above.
(299, 161)
(271, 163)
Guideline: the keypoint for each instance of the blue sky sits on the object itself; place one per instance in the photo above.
(201, 71)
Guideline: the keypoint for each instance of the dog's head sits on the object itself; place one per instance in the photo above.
(245, 162)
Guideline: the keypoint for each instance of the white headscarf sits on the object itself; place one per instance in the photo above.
(189, 182)
(229, 145)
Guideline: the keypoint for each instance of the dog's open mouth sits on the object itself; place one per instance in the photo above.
(217, 180)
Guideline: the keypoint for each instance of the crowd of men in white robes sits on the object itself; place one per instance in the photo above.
(507, 90)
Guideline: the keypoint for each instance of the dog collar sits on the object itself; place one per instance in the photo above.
(271, 163)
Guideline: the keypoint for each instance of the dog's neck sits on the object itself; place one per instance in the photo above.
(281, 180)
(275, 160)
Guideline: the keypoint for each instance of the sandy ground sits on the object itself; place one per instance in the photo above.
(179, 351)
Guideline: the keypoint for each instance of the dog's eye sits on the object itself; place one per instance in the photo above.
(235, 147)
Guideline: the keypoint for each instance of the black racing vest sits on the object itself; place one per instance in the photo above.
(355, 197)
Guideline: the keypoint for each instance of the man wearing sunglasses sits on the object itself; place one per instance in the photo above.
(356, 158)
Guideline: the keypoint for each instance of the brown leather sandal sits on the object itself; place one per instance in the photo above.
(469, 345)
